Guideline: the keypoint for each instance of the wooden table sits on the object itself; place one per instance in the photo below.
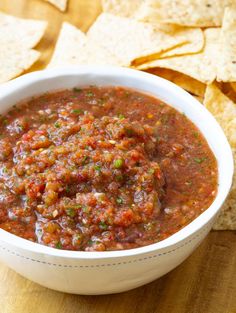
(204, 283)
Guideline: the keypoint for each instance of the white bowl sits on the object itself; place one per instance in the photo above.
(114, 271)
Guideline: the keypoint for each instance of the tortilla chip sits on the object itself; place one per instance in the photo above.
(195, 38)
(200, 66)
(233, 85)
(73, 47)
(198, 98)
(226, 69)
(191, 85)
(228, 90)
(60, 4)
(23, 32)
(128, 39)
(224, 111)
(197, 13)
(121, 7)
(15, 60)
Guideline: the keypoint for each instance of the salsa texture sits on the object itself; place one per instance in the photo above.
(101, 168)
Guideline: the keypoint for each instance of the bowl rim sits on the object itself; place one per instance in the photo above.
(204, 218)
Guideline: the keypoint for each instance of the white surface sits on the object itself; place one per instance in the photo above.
(113, 271)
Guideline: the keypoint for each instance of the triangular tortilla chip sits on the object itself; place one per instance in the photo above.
(197, 13)
(60, 4)
(23, 32)
(121, 7)
(188, 83)
(73, 47)
(128, 39)
(226, 69)
(14, 60)
(194, 38)
(224, 111)
(200, 66)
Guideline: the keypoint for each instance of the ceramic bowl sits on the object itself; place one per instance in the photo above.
(114, 271)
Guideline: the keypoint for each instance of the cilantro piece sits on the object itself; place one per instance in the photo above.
(71, 212)
(76, 89)
(118, 163)
(58, 245)
(103, 226)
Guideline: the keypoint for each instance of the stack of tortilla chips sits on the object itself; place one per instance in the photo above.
(18, 37)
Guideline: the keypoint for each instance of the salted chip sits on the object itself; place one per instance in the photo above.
(121, 7)
(73, 47)
(60, 4)
(15, 60)
(191, 85)
(226, 69)
(200, 66)
(128, 39)
(224, 111)
(197, 13)
(23, 32)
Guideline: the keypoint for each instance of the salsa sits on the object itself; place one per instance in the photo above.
(101, 168)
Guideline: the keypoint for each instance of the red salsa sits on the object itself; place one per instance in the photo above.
(101, 168)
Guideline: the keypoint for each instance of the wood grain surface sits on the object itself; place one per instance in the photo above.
(204, 283)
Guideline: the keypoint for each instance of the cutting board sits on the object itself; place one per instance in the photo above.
(204, 283)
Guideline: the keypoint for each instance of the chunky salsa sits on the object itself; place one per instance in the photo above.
(101, 168)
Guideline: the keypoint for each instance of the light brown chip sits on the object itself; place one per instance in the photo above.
(121, 7)
(233, 85)
(198, 13)
(128, 39)
(60, 4)
(226, 70)
(224, 111)
(200, 66)
(23, 32)
(73, 47)
(228, 90)
(15, 60)
(191, 85)
(198, 98)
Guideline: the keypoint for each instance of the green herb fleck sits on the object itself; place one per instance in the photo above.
(151, 171)
(76, 89)
(89, 94)
(118, 163)
(103, 226)
(97, 168)
(195, 134)
(121, 116)
(57, 125)
(129, 131)
(199, 160)
(119, 200)
(77, 111)
(85, 209)
(71, 212)
(85, 158)
(58, 245)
